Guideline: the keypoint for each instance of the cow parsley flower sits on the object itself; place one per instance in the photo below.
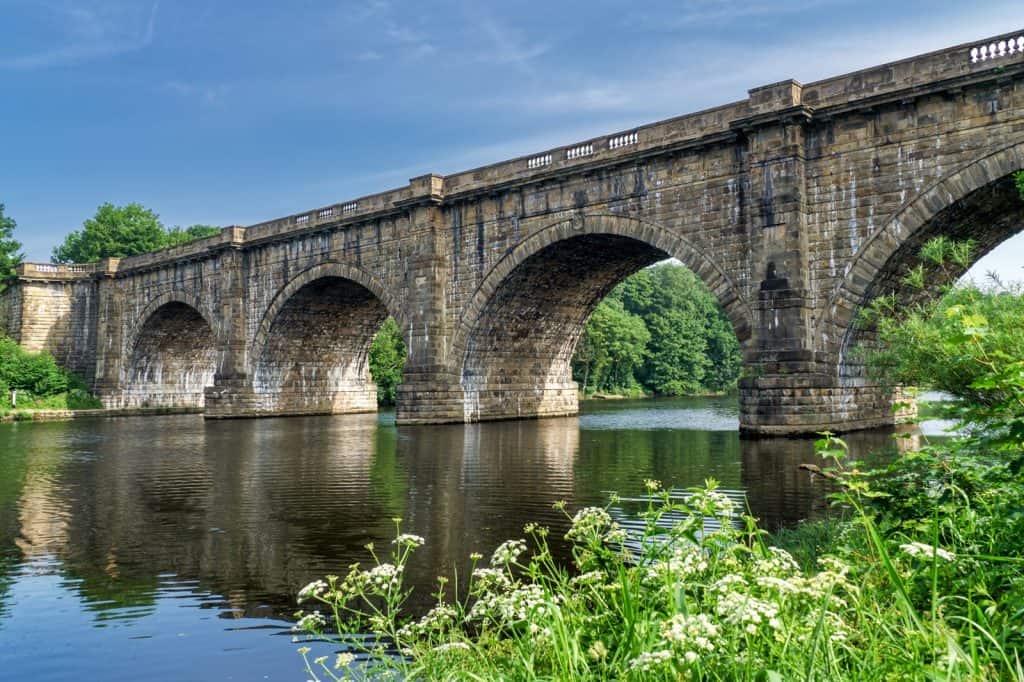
(409, 540)
(919, 549)
(313, 589)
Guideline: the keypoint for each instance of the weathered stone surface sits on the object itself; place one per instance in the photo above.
(795, 206)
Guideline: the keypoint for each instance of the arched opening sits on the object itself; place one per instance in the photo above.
(986, 217)
(517, 349)
(173, 360)
(313, 358)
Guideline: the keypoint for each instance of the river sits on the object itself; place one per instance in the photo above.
(171, 548)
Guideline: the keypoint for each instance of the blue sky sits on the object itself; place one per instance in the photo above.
(236, 112)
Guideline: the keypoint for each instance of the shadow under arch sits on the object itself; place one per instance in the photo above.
(979, 201)
(172, 354)
(516, 337)
(310, 353)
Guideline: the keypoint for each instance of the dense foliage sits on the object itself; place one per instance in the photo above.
(967, 343)
(661, 331)
(120, 231)
(10, 249)
(39, 381)
(387, 360)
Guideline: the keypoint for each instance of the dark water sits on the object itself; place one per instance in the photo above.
(169, 548)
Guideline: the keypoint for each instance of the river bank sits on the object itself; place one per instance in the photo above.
(44, 415)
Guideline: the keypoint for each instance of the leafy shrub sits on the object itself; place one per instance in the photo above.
(387, 360)
(41, 383)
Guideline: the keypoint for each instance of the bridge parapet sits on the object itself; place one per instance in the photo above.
(49, 272)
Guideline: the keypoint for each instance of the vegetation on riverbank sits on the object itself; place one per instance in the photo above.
(920, 577)
(39, 382)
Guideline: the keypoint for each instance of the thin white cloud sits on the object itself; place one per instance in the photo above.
(207, 94)
(503, 45)
(697, 13)
(91, 34)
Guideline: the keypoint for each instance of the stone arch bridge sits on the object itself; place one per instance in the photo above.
(795, 206)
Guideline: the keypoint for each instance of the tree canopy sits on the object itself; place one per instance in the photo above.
(10, 249)
(387, 360)
(120, 231)
(660, 331)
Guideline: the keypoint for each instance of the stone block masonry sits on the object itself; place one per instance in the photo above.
(796, 206)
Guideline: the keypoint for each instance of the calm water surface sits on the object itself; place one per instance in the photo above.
(171, 548)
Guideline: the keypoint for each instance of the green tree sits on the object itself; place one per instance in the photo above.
(177, 236)
(613, 347)
(691, 347)
(10, 249)
(120, 231)
(115, 231)
(387, 360)
(723, 350)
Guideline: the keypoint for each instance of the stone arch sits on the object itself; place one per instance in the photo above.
(652, 234)
(978, 201)
(172, 296)
(323, 270)
(310, 353)
(517, 333)
(171, 353)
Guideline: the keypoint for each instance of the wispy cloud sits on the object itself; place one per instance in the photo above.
(502, 44)
(205, 93)
(412, 40)
(696, 13)
(88, 32)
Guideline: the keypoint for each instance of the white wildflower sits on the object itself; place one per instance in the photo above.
(649, 660)
(737, 608)
(408, 540)
(384, 576)
(780, 563)
(344, 660)
(919, 549)
(489, 580)
(507, 552)
(695, 635)
(451, 646)
(311, 622)
(313, 589)
(686, 561)
(728, 583)
(588, 522)
(588, 578)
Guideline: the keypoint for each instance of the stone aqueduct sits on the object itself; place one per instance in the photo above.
(795, 206)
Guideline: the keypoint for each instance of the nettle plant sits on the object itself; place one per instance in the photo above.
(679, 603)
